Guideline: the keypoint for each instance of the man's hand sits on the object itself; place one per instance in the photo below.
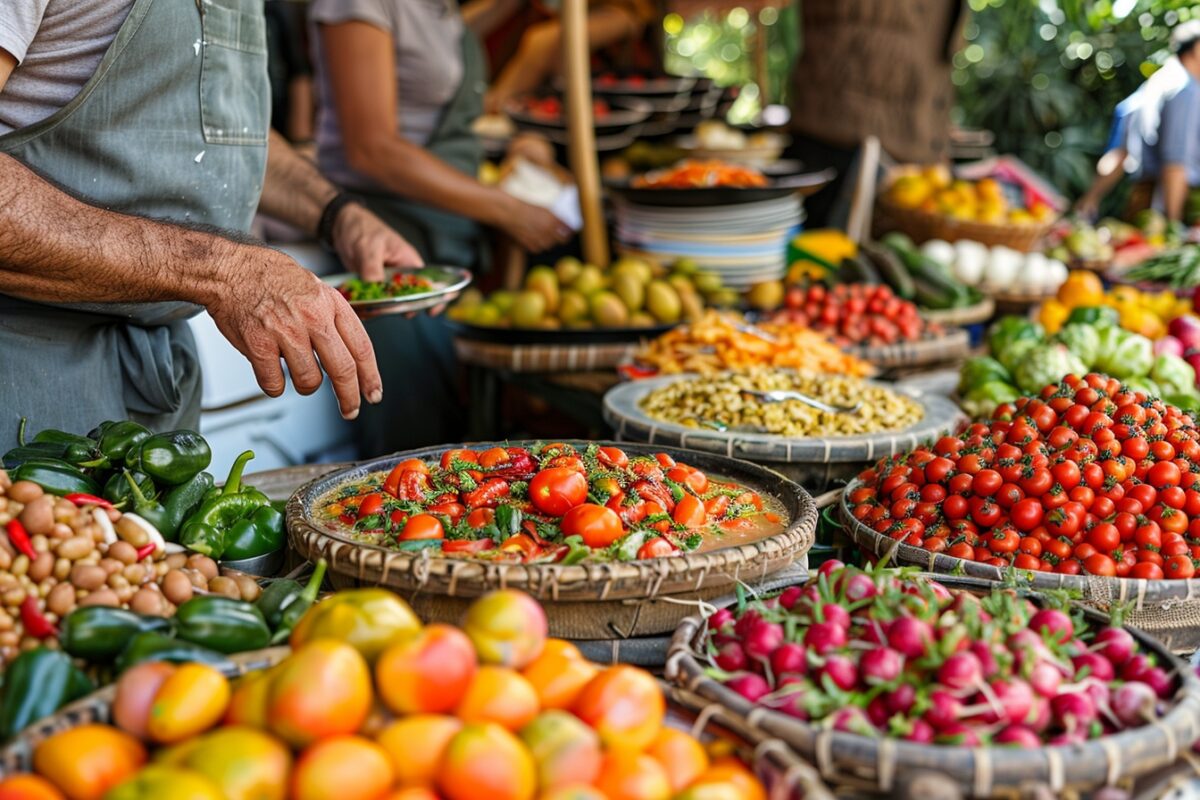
(272, 308)
(366, 244)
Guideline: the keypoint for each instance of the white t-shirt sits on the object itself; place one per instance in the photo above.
(58, 44)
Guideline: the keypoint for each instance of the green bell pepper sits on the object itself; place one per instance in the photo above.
(170, 458)
(117, 491)
(222, 624)
(237, 516)
(98, 633)
(1096, 316)
(118, 439)
(38, 683)
(155, 646)
(55, 476)
(283, 603)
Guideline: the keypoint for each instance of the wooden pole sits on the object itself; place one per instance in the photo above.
(581, 145)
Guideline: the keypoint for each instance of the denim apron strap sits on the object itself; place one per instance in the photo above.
(173, 124)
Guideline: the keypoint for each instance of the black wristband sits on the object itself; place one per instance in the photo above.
(329, 215)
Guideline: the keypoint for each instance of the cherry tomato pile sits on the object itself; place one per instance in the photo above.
(1088, 477)
(855, 314)
(550, 504)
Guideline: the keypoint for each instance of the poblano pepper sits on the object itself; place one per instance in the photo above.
(117, 492)
(55, 476)
(222, 624)
(33, 452)
(118, 439)
(284, 602)
(236, 522)
(99, 633)
(154, 646)
(170, 458)
(38, 683)
(78, 450)
(181, 502)
(148, 508)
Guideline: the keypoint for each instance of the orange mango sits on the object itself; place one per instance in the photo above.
(416, 745)
(157, 781)
(191, 700)
(244, 763)
(499, 694)
(136, 690)
(485, 762)
(625, 706)
(508, 628)
(629, 775)
(428, 672)
(680, 755)
(28, 787)
(323, 689)
(565, 750)
(87, 761)
(342, 768)
(559, 674)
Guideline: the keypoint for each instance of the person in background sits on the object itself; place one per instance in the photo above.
(400, 83)
(1170, 141)
(539, 53)
(877, 68)
(134, 150)
(293, 109)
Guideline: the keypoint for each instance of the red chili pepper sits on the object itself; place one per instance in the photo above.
(519, 467)
(412, 486)
(35, 622)
(20, 538)
(146, 550)
(487, 495)
(81, 499)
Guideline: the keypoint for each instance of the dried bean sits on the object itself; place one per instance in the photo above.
(124, 552)
(177, 587)
(205, 565)
(61, 599)
(25, 491)
(88, 576)
(101, 597)
(41, 567)
(76, 547)
(225, 586)
(38, 516)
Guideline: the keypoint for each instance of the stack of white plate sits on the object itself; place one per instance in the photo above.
(744, 243)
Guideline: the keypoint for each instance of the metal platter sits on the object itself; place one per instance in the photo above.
(448, 284)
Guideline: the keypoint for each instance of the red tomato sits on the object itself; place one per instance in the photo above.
(716, 506)
(694, 479)
(937, 469)
(461, 454)
(371, 504)
(423, 526)
(1066, 474)
(984, 512)
(1146, 571)
(481, 518)
(598, 526)
(986, 483)
(690, 512)
(1144, 494)
(1105, 537)
(1163, 474)
(657, 548)
(454, 511)
(1100, 564)
(612, 457)
(557, 490)
(664, 460)
(489, 459)
(1037, 482)
(1148, 536)
(1027, 514)
(955, 507)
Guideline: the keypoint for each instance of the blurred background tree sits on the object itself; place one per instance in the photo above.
(1045, 75)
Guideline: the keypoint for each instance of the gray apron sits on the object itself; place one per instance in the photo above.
(172, 125)
(416, 356)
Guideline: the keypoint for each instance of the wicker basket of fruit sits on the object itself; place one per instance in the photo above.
(1122, 536)
(894, 682)
(925, 203)
(441, 712)
(622, 538)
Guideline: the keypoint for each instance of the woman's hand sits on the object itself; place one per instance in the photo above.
(533, 148)
(534, 228)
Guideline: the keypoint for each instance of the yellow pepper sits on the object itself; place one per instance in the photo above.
(1081, 288)
(367, 619)
(1122, 296)
(1053, 315)
(805, 272)
(828, 244)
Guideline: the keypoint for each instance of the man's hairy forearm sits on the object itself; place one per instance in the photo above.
(294, 192)
(56, 248)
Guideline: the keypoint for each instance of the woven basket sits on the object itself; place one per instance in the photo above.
(542, 357)
(586, 601)
(953, 346)
(813, 462)
(96, 707)
(892, 766)
(921, 226)
(1018, 303)
(1168, 610)
(782, 772)
(982, 311)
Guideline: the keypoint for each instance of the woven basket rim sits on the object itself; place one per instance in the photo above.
(1179, 728)
(622, 411)
(932, 350)
(555, 579)
(966, 315)
(1140, 589)
(966, 224)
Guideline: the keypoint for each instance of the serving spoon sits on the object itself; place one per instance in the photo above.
(780, 395)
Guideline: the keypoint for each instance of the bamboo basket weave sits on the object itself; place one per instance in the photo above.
(888, 766)
(953, 346)
(1168, 610)
(922, 226)
(542, 357)
(982, 311)
(583, 601)
(782, 772)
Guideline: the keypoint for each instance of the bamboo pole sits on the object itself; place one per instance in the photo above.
(581, 145)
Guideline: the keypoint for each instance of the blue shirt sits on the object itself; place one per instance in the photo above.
(1165, 127)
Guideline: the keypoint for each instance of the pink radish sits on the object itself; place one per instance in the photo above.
(1016, 701)
(944, 709)
(1093, 665)
(852, 719)
(1039, 717)
(790, 596)
(1136, 667)
(959, 734)
(1115, 644)
(749, 685)
(763, 640)
(830, 567)
(921, 732)
(720, 619)
(731, 657)
(836, 615)
(1045, 679)
(987, 660)
(1158, 680)
(910, 636)
(961, 671)
(747, 622)
(1019, 736)
(881, 666)
(900, 700)
(877, 712)
(1133, 704)
(859, 586)
(789, 657)
(841, 671)
(1074, 711)
(821, 637)
(1054, 623)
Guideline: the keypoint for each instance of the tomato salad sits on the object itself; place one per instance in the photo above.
(402, 284)
(1088, 477)
(551, 503)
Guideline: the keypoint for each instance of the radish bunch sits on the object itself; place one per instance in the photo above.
(888, 653)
